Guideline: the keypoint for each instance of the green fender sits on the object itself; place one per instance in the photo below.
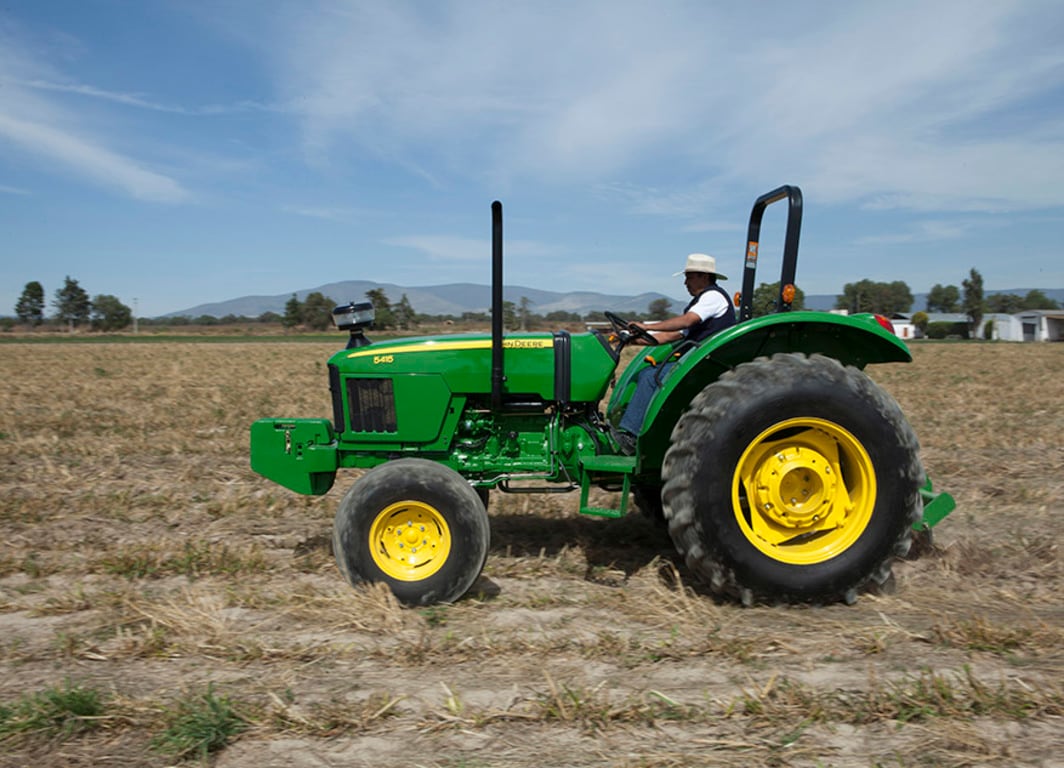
(856, 340)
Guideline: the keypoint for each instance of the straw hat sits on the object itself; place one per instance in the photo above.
(700, 262)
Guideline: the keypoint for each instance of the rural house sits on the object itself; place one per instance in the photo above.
(1031, 325)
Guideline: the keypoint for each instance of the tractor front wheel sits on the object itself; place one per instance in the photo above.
(416, 526)
(792, 478)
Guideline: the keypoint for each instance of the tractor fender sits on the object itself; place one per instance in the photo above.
(856, 340)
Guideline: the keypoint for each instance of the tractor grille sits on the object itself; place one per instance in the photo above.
(337, 398)
(372, 405)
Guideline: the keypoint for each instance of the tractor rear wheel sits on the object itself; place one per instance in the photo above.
(648, 499)
(416, 526)
(792, 478)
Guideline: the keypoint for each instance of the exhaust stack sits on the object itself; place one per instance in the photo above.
(497, 377)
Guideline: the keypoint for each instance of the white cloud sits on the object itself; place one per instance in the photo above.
(138, 101)
(326, 213)
(47, 130)
(96, 162)
(458, 249)
(443, 247)
(877, 102)
(922, 232)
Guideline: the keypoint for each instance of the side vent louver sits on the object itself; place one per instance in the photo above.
(372, 404)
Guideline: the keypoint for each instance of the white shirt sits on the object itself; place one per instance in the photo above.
(710, 304)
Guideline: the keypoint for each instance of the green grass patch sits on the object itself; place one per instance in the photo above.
(56, 712)
(199, 725)
(194, 560)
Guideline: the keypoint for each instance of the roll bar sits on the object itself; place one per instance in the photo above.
(790, 246)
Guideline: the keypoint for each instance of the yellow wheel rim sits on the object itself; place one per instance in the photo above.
(409, 540)
(803, 491)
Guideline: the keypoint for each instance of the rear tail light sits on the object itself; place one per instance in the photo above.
(885, 323)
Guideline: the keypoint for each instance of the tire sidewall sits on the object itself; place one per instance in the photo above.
(428, 483)
(726, 436)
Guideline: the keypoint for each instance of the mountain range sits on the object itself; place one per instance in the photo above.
(451, 299)
(456, 298)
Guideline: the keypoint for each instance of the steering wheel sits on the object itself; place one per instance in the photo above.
(627, 330)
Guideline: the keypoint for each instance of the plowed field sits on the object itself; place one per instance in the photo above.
(145, 567)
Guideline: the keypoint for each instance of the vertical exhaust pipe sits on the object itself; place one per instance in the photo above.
(497, 376)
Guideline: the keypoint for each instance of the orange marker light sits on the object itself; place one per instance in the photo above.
(788, 293)
(738, 298)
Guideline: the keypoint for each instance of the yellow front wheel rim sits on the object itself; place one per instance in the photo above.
(409, 540)
(804, 491)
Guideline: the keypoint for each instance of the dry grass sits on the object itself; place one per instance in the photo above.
(142, 560)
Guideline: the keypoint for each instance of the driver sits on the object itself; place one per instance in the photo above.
(709, 311)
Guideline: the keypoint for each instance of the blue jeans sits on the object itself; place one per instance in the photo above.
(646, 384)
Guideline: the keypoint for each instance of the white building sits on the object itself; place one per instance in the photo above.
(1032, 325)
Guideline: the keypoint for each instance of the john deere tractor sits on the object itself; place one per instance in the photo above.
(781, 470)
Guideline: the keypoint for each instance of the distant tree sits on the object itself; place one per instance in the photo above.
(561, 316)
(766, 295)
(1004, 303)
(523, 313)
(317, 311)
(293, 312)
(110, 314)
(947, 330)
(382, 309)
(269, 317)
(879, 298)
(1037, 300)
(943, 298)
(920, 321)
(72, 305)
(509, 315)
(974, 303)
(659, 309)
(405, 316)
(30, 306)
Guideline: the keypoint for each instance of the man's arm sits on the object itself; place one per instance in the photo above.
(678, 323)
(670, 330)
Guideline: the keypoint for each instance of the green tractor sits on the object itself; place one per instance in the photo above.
(781, 470)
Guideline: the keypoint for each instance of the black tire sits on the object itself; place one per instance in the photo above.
(416, 526)
(792, 479)
(648, 499)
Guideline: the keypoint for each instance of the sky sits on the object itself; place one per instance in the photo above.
(179, 152)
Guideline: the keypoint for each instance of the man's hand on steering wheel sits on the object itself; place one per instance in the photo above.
(627, 331)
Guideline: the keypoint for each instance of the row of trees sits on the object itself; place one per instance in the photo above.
(73, 307)
(890, 298)
(315, 311)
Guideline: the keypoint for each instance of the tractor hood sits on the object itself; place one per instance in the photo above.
(537, 365)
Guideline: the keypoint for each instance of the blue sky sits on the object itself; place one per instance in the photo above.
(184, 152)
